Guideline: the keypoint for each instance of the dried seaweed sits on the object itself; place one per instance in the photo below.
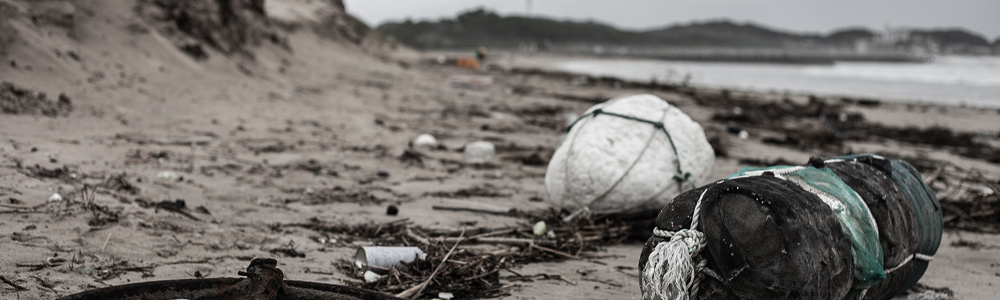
(969, 201)
(473, 270)
(486, 190)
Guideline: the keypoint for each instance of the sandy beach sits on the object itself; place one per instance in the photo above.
(318, 130)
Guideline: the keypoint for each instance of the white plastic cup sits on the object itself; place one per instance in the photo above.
(381, 258)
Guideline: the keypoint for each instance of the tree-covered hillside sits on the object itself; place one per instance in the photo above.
(480, 27)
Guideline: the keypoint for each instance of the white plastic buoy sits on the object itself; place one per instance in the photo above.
(425, 140)
(612, 164)
(479, 152)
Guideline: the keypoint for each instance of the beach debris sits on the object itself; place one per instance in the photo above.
(425, 140)
(629, 154)
(474, 272)
(922, 292)
(482, 210)
(467, 62)
(445, 295)
(479, 152)
(485, 190)
(470, 81)
(55, 197)
(385, 258)
(262, 280)
(178, 206)
(840, 212)
(168, 175)
(539, 229)
(969, 200)
(371, 276)
(392, 210)
(12, 284)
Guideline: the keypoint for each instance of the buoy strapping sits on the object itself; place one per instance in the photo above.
(869, 176)
(767, 237)
(856, 221)
(629, 154)
(927, 212)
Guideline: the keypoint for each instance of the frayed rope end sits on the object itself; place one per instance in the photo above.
(670, 272)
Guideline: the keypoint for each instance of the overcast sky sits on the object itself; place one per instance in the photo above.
(816, 16)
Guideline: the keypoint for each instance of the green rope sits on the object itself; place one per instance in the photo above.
(658, 125)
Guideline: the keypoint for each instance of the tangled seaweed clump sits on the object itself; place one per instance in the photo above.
(468, 262)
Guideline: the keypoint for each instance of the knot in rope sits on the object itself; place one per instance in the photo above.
(693, 239)
(671, 272)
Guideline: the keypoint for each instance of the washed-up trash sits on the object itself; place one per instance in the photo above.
(540, 228)
(261, 280)
(630, 154)
(55, 197)
(425, 140)
(475, 82)
(467, 62)
(383, 258)
(739, 132)
(371, 276)
(479, 152)
(168, 175)
(445, 295)
(845, 228)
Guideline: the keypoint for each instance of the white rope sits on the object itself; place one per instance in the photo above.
(918, 256)
(670, 272)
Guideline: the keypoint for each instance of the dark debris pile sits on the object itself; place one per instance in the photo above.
(969, 201)
(825, 124)
(473, 269)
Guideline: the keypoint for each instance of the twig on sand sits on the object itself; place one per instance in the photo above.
(106, 242)
(475, 210)
(554, 251)
(11, 283)
(416, 290)
(934, 176)
(501, 240)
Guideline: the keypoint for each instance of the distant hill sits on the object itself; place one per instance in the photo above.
(727, 34)
(481, 27)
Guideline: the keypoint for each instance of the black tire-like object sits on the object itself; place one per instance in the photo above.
(769, 239)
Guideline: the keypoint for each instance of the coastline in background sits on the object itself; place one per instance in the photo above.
(948, 80)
